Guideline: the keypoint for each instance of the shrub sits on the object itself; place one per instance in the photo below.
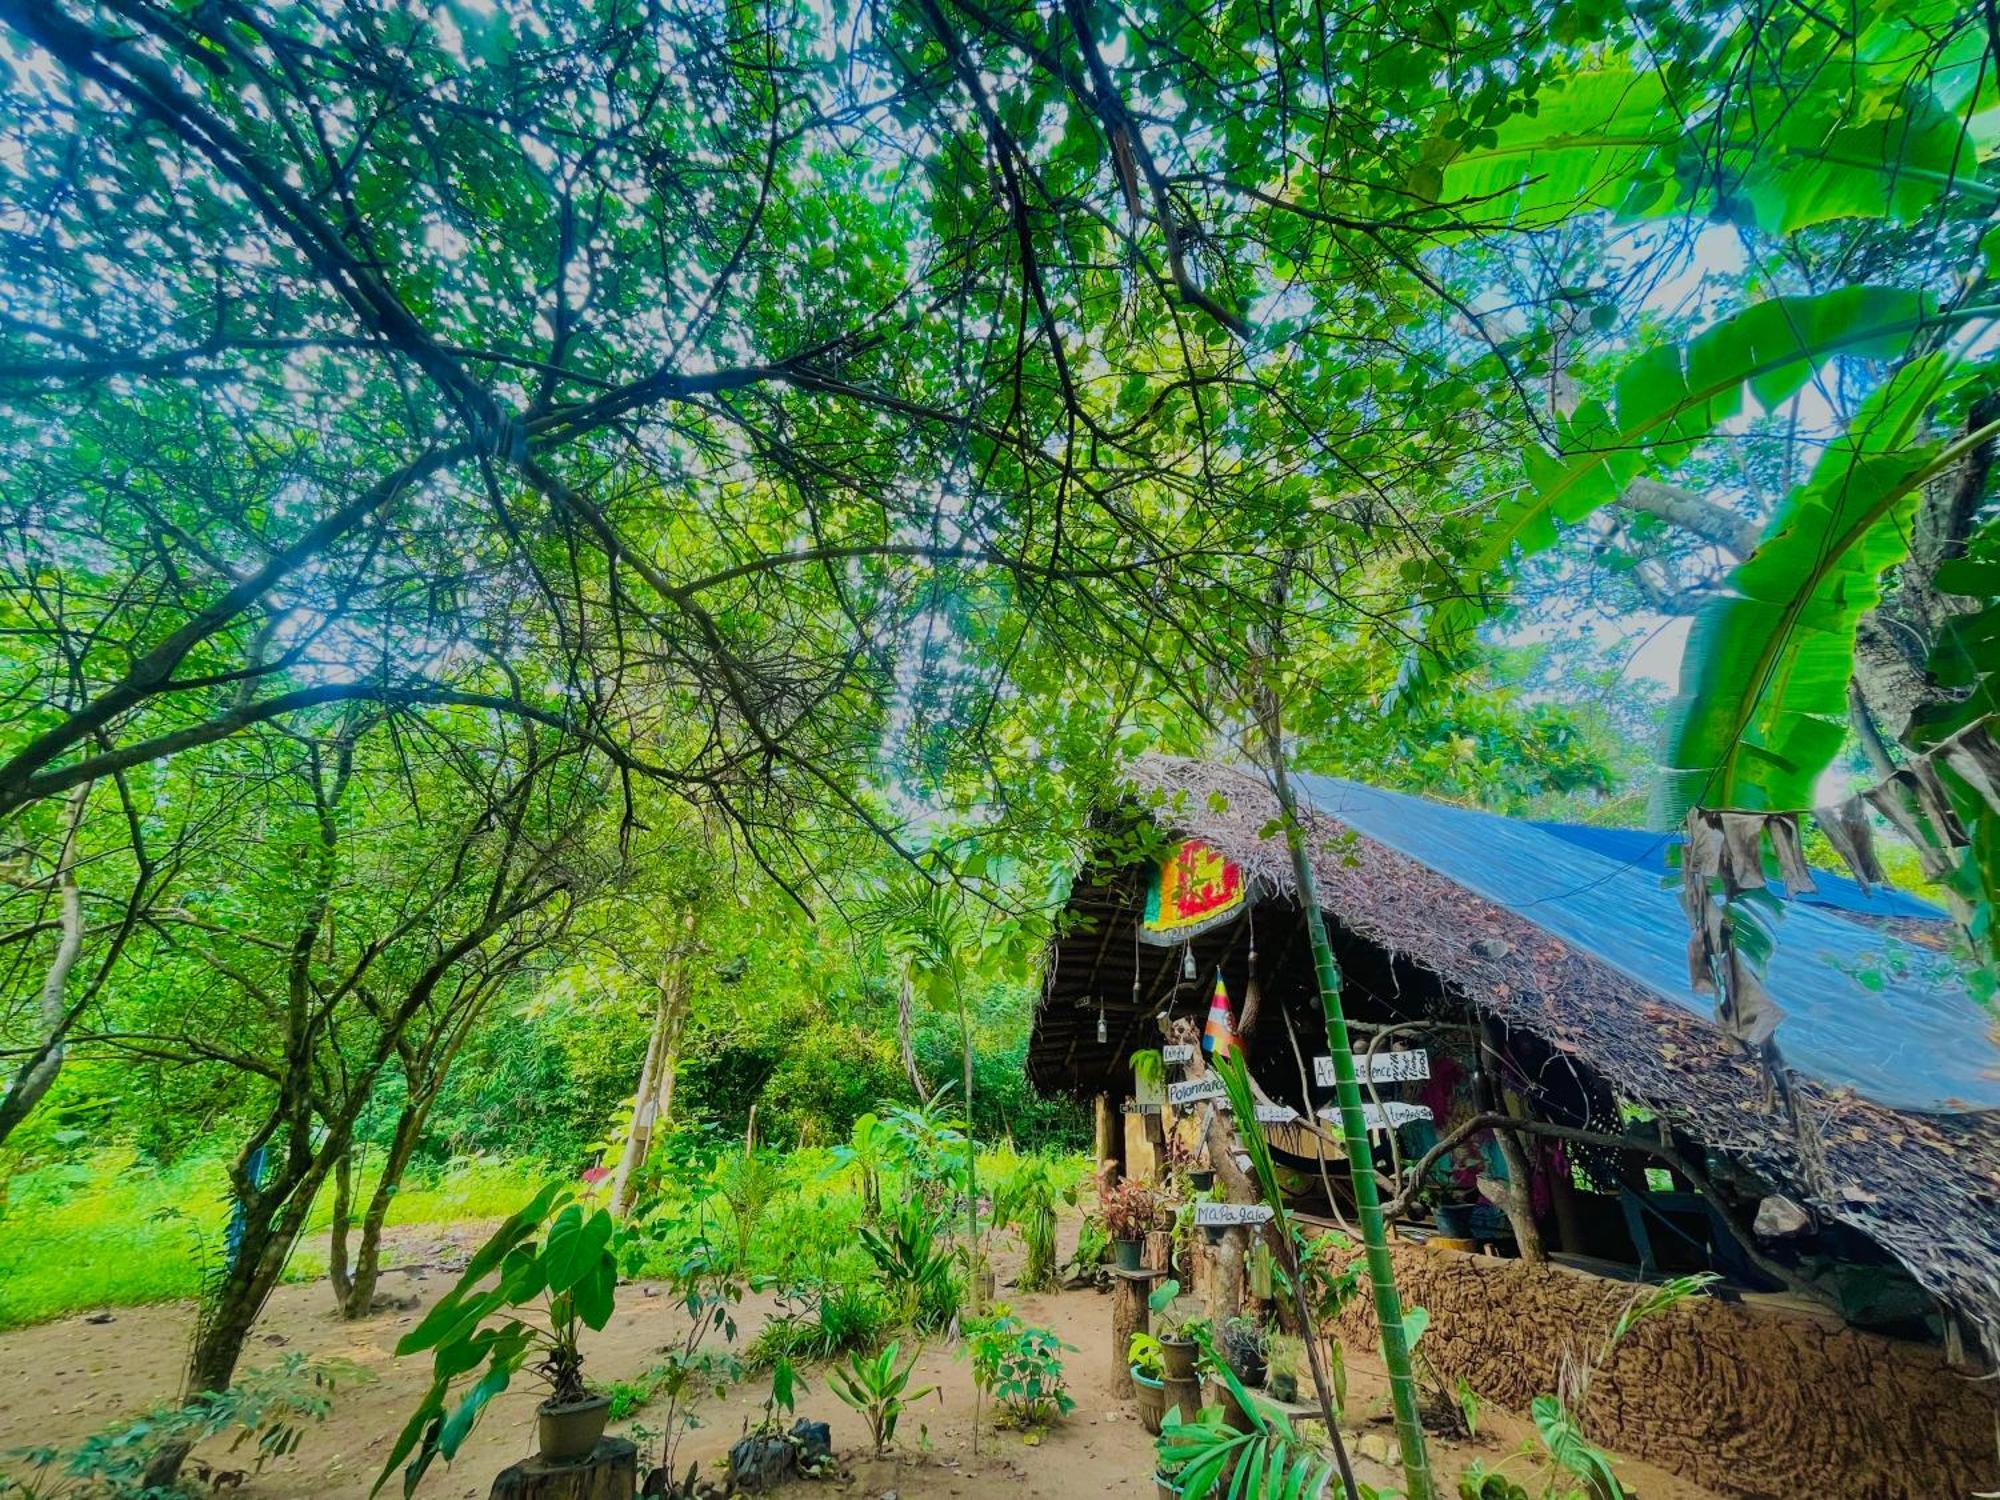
(879, 1391)
(1020, 1366)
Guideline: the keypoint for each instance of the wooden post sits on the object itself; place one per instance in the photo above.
(1107, 1122)
(1129, 1315)
(610, 1473)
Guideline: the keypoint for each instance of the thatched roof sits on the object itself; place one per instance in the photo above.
(1925, 1186)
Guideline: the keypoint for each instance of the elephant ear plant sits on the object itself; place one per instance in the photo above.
(524, 1300)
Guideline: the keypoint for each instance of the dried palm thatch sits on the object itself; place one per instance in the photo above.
(1925, 1187)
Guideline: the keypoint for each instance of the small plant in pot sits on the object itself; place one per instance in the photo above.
(1285, 1362)
(1129, 1210)
(1149, 1371)
(523, 1302)
(1243, 1346)
(1178, 1345)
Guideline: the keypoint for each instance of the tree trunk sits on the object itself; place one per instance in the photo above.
(638, 1134)
(653, 1101)
(38, 1073)
(971, 1146)
(906, 1040)
(274, 1216)
(1518, 1191)
(360, 1298)
(336, 1245)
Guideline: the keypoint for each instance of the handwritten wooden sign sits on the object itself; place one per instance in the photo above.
(1382, 1116)
(1194, 1091)
(1177, 1052)
(1383, 1067)
(1215, 1215)
(1267, 1114)
(1132, 1108)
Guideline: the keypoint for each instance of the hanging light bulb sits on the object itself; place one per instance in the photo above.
(1103, 1031)
(1187, 961)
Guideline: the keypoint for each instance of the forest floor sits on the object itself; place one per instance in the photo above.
(71, 1378)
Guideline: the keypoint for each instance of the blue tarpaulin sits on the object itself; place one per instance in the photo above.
(1890, 1020)
(1648, 850)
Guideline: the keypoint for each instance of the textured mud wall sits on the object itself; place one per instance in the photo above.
(1748, 1401)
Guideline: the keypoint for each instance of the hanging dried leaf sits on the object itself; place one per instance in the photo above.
(1743, 851)
(1936, 804)
(1785, 843)
(1975, 755)
(1845, 825)
(1896, 800)
(1748, 1012)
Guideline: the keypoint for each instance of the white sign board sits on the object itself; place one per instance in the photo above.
(1383, 1067)
(1181, 1095)
(1131, 1108)
(1276, 1114)
(1214, 1215)
(1381, 1116)
(1177, 1052)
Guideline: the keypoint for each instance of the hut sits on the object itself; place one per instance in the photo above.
(1851, 1207)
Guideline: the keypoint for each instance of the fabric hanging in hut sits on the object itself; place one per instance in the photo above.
(1192, 889)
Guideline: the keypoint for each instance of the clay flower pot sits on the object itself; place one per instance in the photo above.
(1179, 1355)
(1152, 1401)
(570, 1431)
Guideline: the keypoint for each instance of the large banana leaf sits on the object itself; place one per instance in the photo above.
(1763, 703)
(1861, 142)
(1663, 403)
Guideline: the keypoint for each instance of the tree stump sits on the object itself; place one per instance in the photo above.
(1129, 1315)
(610, 1473)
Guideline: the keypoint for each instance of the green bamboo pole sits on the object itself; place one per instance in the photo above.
(1360, 1159)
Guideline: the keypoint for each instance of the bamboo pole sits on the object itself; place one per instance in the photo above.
(1360, 1161)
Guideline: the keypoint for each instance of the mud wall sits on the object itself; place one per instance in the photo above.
(1746, 1400)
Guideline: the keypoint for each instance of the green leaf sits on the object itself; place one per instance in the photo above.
(1762, 709)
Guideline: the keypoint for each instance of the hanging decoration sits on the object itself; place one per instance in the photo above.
(1192, 889)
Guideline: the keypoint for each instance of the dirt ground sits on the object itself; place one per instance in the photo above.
(65, 1380)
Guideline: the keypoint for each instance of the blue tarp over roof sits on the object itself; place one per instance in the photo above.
(1919, 1042)
(1648, 850)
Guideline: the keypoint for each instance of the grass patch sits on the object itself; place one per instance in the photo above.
(114, 1231)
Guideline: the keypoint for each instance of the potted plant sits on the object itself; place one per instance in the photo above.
(523, 1302)
(1149, 1372)
(1129, 1209)
(1176, 1335)
(1285, 1361)
(1244, 1348)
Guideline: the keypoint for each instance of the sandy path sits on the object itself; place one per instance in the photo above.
(67, 1379)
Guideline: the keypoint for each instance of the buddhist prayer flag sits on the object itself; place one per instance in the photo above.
(1218, 1038)
(1191, 890)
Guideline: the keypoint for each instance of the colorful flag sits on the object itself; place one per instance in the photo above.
(1218, 1038)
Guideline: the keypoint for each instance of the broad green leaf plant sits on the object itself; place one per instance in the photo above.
(546, 1274)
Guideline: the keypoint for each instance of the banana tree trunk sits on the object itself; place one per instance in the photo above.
(1360, 1161)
